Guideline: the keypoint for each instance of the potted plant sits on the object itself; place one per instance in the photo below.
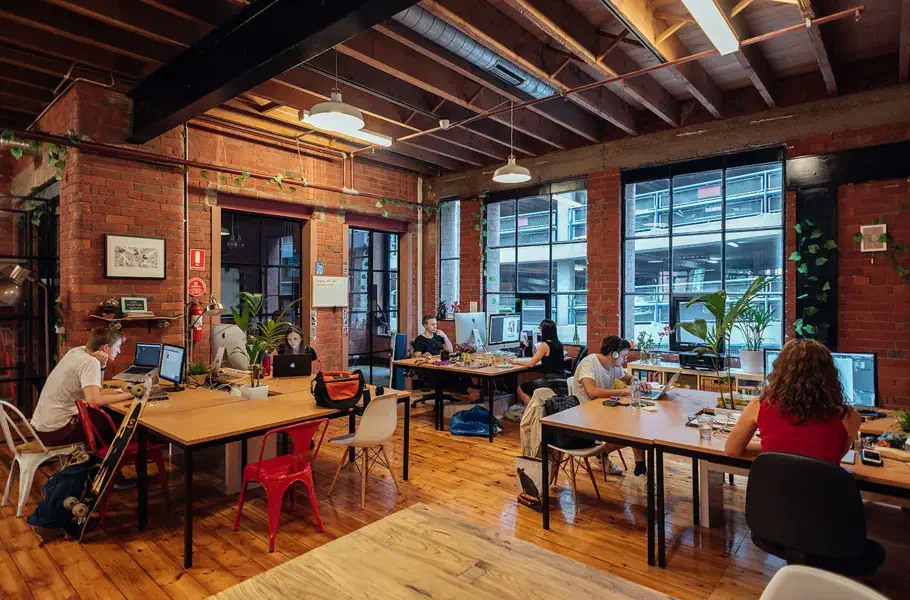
(713, 339)
(645, 344)
(197, 372)
(261, 339)
(752, 324)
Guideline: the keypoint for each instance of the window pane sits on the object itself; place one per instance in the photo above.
(570, 216)
(359, 281)
(360, 302)
(280, 242)
(688, 314)
(697, 202)
(382, 331)
(449, 229)
(648, 208)
(448, 282)
(647, 268)
(358, 340)
(772, 337)
(385, 252)
(570, 311)
(696, 263)
(750, 254)
(385, 291)
(239, 279)
(282, 282)
(648, 313)
(534, 269)
(570, 267)
(360, 249)
(533, 311)
(501, 223)
(754, 196)
(501, 270)
(241, 245)
(500, 303)
(533, 223)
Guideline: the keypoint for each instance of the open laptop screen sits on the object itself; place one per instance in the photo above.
(147, 355)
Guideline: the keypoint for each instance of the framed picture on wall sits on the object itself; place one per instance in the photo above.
(874, 238)
(134, 256)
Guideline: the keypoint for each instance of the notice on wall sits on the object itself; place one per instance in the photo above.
(330, 291)
(197, 259)
(313, 324)
(196, 287)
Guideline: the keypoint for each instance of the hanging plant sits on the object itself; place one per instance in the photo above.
(810, 255)
(892, 252)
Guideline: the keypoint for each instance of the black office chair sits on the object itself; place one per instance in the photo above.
(809, 512)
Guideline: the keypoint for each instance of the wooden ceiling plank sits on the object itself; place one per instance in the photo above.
(639, 17)
(566, 115)
(750, 58)
(498, 32)
(807, 11)
(739, 7)
(202, 12)
(33, 62)
(669, 16)
(903, 54)
(22, 103)
(666, 33)
(25, 91)
(26, 76)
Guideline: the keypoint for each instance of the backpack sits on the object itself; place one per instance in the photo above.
(340, 390)
(559, 437)
(68, 481)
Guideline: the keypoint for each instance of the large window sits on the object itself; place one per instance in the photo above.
(694, 229)
(261, 255)
(449, 248)
(536, 257)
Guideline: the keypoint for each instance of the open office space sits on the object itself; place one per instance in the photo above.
(455, 298)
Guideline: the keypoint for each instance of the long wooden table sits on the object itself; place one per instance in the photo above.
(199, 418)
(665, 432)
(445, 372)
(421, 552)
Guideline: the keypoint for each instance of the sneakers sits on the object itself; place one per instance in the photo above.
(614, 469)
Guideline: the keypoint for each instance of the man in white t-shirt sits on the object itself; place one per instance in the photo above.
(77, 375)
(594, 378)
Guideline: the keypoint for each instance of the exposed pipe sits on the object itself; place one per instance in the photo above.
(857, 11)
(420, 247)
(252, 134)
(66, 89)
(24, 146)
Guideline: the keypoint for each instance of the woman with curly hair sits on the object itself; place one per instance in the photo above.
(801, 411)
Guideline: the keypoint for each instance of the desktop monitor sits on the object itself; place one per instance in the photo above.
(466, 323)
(680, 339)
(857, 371)
(147, 355)
(173, 361)
(232, 340)
(504, 329)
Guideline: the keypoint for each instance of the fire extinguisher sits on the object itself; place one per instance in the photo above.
(195, 312)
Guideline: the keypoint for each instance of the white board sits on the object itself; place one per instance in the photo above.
(330, 291)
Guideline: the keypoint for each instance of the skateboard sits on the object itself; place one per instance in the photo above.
(84, 507)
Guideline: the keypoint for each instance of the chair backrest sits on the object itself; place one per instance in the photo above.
(582, 353)
(796, 582)
(16, 423)
(569, 382)
(380, 418)
(806, 505)
(93, 438)
(301, 435)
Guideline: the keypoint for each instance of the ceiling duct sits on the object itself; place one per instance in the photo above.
(441, 33)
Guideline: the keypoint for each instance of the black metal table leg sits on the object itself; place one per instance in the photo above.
(491, 399)
(407, 438)
(438, 406)
(188, 510)
(696, 517)
(545, 476)
(651, 506)
(244, 456)
(661, 516)
(352, 427)
(142, 476)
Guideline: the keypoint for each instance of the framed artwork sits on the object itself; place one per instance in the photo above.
(134, 256)
(133, 305)
(874, 238)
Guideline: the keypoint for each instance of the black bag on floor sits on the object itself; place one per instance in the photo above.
(560, 438)
(69, 481)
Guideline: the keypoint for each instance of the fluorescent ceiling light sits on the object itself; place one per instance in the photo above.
(511, 172)
(714, 22)
(335, 115)
(358, 134)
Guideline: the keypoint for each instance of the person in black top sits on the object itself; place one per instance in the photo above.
(293, 344)
(432, 341)
(551, 359)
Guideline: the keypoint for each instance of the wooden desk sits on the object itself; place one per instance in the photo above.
(485, 374)
(421, 552)
(200, 417)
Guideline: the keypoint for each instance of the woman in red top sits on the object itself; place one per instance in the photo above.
(802, 410)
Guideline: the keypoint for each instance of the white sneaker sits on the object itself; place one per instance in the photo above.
(614, 469)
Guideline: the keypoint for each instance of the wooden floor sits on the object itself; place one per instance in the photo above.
(467, 476)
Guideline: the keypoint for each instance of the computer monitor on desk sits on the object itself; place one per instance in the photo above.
(173, 363)
(466, 323)
(857, 371)
(504, 329)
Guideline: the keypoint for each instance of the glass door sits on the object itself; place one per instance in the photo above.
(373, 273)
(533, 309)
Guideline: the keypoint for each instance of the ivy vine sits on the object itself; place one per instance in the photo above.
(893, 249)
(811, 253)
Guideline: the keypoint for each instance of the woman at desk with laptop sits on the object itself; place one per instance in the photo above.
(551, 358)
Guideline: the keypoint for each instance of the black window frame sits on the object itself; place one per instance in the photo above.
(445, 209)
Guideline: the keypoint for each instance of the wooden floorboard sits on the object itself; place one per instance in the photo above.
(467, 476)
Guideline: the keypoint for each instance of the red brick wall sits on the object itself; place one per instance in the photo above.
(470, 285)
(604, 255)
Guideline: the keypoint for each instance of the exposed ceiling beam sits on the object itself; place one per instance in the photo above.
(265, 39)
(565, 114)
(807, 11)
(386, 55)
(25, 91)
(571, 30)
(638, 16)
(495, 30)
(903, 55)
(750, 58)
(29, 105)
(26, 76)
(203, 12)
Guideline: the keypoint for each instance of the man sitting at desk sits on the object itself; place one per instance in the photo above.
(432, 341)
(77, 375)
(594, 378)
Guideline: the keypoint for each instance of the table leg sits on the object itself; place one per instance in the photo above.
(695, 501)
(142, 476)
(438, 406)
(545, 476)
(188, 509)
(244, 456)
(661, 512)
(651, 506)
(490, 397)
(407, 438)
(352, 427)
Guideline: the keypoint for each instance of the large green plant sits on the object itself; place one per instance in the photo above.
(753, 324)
(725, 319)
(810, 255)
(261, 338)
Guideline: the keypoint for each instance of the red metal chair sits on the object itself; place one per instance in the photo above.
(99, 446)
(278, 474)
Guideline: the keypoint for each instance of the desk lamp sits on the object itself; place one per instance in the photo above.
(12, 280)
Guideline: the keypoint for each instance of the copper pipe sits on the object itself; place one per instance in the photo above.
(595, 84)
(254, 134)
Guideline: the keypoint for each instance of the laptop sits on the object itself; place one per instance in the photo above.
(147, 358)
(661, 393)
(216, 364)
(292, 365)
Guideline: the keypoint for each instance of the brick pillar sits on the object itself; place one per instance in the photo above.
(471, 255)
(331, 244)
(604, 255)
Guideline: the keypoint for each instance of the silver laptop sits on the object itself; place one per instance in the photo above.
(147, 359)
(661, 394)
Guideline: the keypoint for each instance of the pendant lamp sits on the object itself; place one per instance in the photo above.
(335, 115)
(511, 172)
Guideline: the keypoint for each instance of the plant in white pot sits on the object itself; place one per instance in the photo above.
(261, 338)
(752, 324)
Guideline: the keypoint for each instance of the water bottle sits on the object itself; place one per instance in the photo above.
(636, 392)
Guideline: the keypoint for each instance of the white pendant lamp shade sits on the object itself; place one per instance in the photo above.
(335, 115)
(511, 172)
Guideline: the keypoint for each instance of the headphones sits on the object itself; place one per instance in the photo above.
(615, 355)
